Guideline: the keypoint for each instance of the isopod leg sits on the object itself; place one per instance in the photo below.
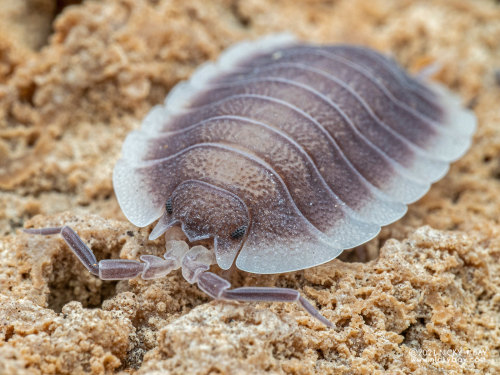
(43, 231)
(108, 269)
(218, 288)
(75, 243)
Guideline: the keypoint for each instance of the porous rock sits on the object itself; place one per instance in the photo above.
(427, 300)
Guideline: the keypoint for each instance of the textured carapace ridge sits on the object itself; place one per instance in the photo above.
(287, 153)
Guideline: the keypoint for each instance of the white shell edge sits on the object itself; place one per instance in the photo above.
(459, 119)
(136, 202)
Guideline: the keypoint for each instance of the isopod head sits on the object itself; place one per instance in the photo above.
(207, 211)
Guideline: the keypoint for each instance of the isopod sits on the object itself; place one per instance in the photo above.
(285, 154)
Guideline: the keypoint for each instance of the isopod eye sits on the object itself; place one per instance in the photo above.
(238, 233)
(168, 206)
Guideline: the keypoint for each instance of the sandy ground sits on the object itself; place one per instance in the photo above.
(74, 80)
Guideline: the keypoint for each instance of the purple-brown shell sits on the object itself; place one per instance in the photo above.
(287, 153)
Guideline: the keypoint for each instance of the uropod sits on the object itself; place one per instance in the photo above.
(285, 154)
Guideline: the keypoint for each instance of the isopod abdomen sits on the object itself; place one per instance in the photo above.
(287, 153)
